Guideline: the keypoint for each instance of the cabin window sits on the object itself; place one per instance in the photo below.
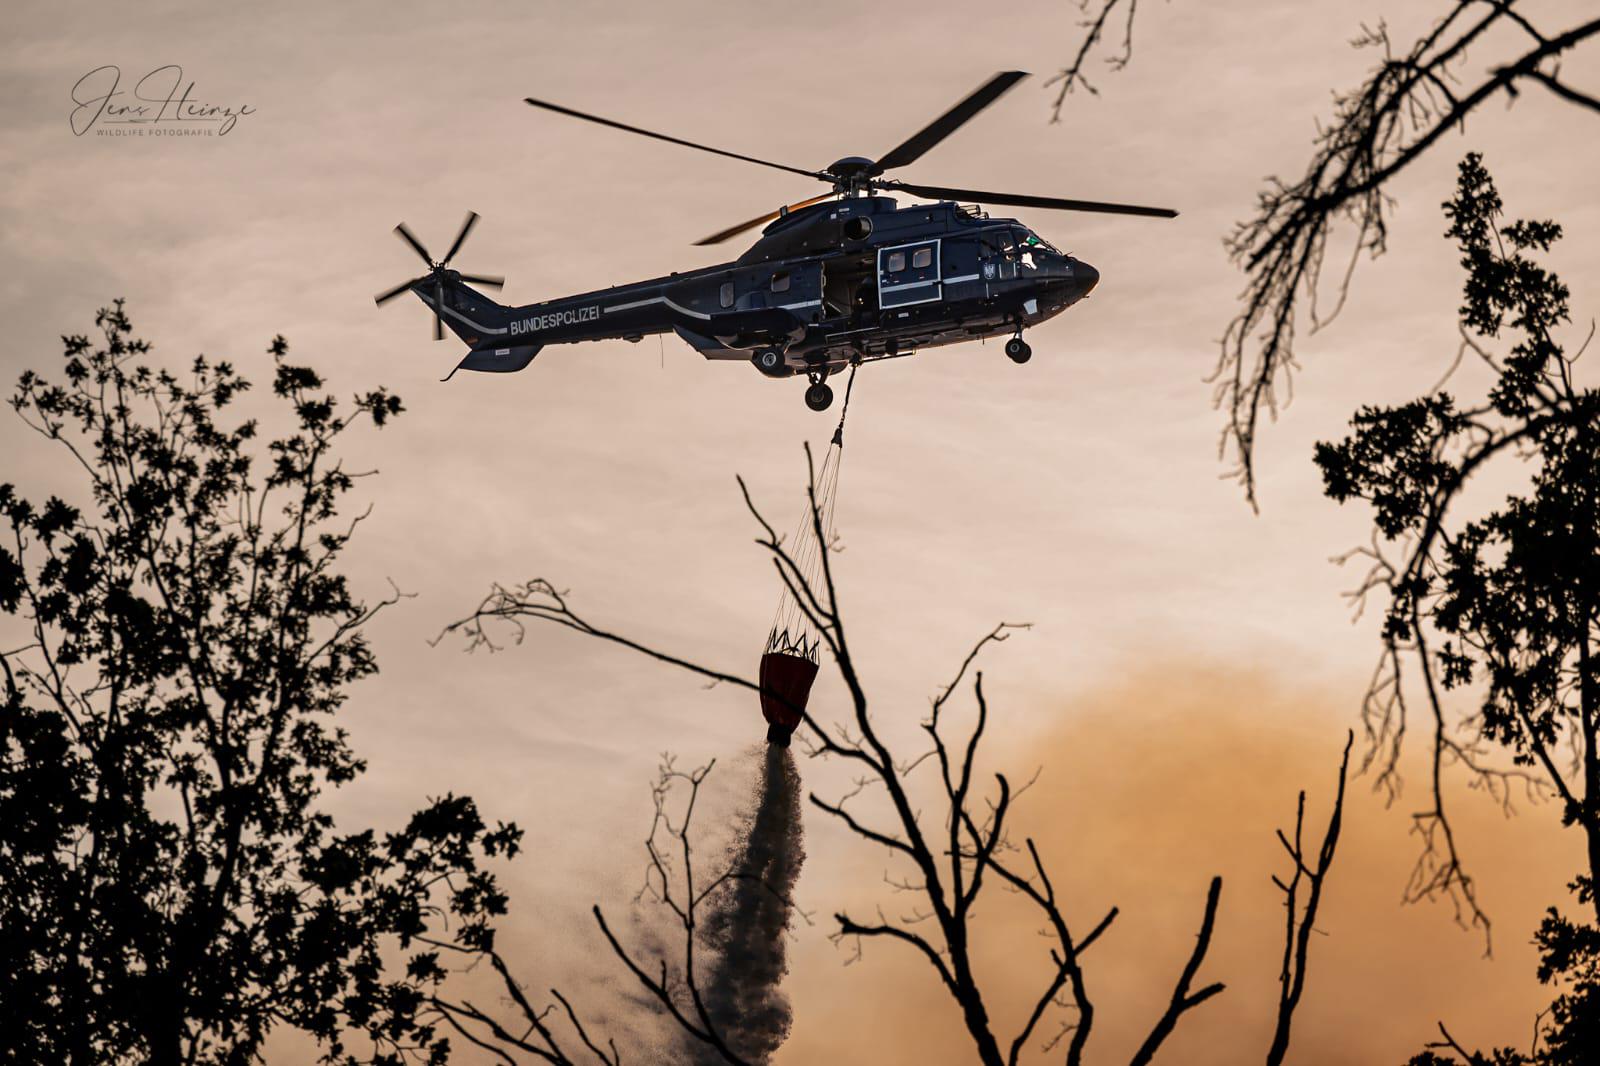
(897, 262)
(727, 294)
(780, 281)
(922, 257)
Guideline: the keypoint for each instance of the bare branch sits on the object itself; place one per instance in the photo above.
(1182, 998)
(945, 880)
(1072, 76)
(849, 927)
(1564, 91)
(1297, 936)
(1378, 130)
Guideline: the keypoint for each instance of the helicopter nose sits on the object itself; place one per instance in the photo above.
(1086, 276)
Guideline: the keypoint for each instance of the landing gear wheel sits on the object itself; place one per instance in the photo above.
(819, 396)
(1017, 349)
(770, 362)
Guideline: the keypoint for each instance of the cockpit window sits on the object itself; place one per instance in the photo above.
(1027, 240)
(999, 242)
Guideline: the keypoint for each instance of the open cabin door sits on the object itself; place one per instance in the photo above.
(909, 274)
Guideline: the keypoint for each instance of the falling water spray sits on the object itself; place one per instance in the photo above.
(746, 929)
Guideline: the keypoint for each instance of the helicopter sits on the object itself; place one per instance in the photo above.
(846, 277)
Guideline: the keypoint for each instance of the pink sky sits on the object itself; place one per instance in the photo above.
(1079, 492)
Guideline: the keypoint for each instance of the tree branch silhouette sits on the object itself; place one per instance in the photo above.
(675, 984)
(1398, 114)
(1182, 998)
(1094, 22)
(1300, 921)
(171, 890)
(950, 857)
(1503, 602)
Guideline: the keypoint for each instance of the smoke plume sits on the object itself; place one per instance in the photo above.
(1149, 787)
(749, 918)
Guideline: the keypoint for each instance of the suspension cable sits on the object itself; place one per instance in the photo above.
(790, 626)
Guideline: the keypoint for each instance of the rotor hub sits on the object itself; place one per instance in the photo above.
(848, 167)
(851, 174)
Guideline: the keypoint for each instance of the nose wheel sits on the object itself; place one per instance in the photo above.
(1017, 349)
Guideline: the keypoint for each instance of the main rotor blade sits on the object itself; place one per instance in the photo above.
(947, 123)
(734, 231)
(384, 297)
(1054, 203)
(558, 109)
(466, 228)
(492, 280)
(411, 239)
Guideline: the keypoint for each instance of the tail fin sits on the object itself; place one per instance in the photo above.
(468, 313)
(480, 322)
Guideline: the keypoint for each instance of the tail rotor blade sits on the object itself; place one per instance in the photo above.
(416, 245)
(466, 228)
(405, 286)
(430, 286)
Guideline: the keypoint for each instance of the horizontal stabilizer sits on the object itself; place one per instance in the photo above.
(498, 360)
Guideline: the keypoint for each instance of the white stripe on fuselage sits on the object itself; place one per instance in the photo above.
(480, 327)
(698, 314)
(453, 313)
(656, 300)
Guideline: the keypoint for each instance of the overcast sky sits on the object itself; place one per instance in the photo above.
(1191, 664)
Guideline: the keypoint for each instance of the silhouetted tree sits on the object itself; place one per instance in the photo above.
(1413, 460)
(181, 640)
(948, 854)
(1408, 101)
(1502, 608)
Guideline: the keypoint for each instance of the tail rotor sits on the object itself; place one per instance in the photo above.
(439, 271)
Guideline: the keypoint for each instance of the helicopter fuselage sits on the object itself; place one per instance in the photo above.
(850, 280)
